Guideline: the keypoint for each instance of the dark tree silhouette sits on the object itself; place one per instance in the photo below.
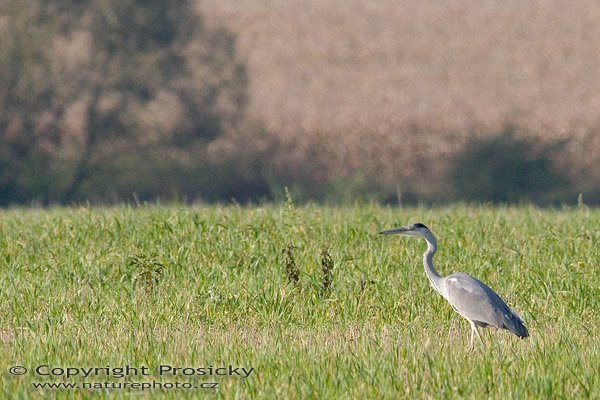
(506, 168)
(112, 80)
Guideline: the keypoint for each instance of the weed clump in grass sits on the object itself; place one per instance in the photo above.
(291, 269)
(364, 284)
(326, 271)
(147, 269)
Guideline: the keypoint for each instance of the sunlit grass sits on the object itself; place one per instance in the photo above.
(210, 286)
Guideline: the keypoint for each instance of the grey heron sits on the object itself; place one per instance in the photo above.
(470, 298)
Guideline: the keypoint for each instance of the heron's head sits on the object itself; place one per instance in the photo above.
(416, 229)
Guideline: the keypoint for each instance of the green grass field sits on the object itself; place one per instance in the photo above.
(210, 287)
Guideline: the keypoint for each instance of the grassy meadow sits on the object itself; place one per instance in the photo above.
(310, 297)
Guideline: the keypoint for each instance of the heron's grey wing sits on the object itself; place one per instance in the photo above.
(476, 301)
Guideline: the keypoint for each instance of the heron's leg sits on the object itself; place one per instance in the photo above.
(477, 332)
(473, 333)
(471, 342)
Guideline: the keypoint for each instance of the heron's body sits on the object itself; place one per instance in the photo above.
(471, 298)
(466, 294)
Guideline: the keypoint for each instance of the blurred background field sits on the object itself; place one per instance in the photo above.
(229, 99)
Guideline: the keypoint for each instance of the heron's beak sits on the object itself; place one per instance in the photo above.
(397, 231)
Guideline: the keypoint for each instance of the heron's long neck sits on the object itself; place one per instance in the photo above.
(434, 277)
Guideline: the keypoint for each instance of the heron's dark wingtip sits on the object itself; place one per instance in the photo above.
(522, 332)
(516, 326)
